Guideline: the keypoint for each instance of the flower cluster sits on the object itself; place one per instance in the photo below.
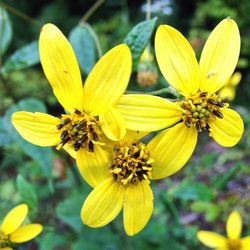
(102, 127)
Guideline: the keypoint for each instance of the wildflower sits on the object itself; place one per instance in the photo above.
(233, 242)
(126, 182)
(90, 117)
(11, 230)
(227, 92)
(201, 109)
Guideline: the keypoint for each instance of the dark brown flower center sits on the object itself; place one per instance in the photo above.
(4, 240)
(80, 130)
(200, 109)
(234, 245)
(131, 163)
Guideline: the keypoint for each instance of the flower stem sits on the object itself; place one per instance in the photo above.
(92, 9)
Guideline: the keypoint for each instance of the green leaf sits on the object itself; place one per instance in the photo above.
(84, 47)
(196, 191)
(5, 138)
(5, 31)
(42, 155)
(138, 38)
(27, 192)
(22, 58)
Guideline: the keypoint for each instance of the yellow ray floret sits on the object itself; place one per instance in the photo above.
(11, 230)
(233, 240)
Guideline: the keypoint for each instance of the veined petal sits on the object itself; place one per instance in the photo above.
(245, 243)
(211, 239)
(234, 225)
(14, 219)
(37, 128)
(148, 113)
(103, 204)
(60, 67)
(113, 124)
(220, 55)
(176, 60)
(227, 131)
(69, 148)
(93, 167)
(26, 233)
(108, 80)
(172, 150)
(138, 207)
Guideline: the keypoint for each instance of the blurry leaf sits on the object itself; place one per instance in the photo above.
(221, 181)
(138, 38)
(5, 138)
(5, 31)
(26, 191)
(69, 210)
(208, 209)
(22, 58)
(42, 155)
(84, 47)
(193, 191)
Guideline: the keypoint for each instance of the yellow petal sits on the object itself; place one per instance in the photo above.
(112, 124)
(245, 243)
(172, 150)
(211, 239)
(60, 67)
(138, 207)
(147, 113)
(37, 128)
(236, 78)
(26, 233)
(93, 167)
(103, 204)
(69, 148)
(108, 80)
(234, 225)
(14, 219)
(132, 135)
(227, 131)
(177, 60)
(6, 248)
(227, 93)
(220, 55)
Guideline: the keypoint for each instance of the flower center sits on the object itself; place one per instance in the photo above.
(234, 245)
(4, 240)
(80, 130)
(131, 163)
(200, 109)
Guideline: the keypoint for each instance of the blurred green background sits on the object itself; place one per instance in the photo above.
(214, 182)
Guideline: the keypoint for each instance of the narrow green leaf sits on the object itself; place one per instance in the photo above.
(138, 38)
(42, 155)
(84, 47)
(5, 138)
(22, 58)
(27, 192)
(5, 31)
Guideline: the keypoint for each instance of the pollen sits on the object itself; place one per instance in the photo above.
(79, 130)
(131, 163)
(234, 245)
(200, 109)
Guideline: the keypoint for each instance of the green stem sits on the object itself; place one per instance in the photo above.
(148, 12)
(92, 9)
(19, 14)
(155, 92)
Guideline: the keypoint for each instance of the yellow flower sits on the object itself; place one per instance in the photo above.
(11, 230)
(200, 109)
(125, 183)
(90, 113)
(233, 242)
(227, 92)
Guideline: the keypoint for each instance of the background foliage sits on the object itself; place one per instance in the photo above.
(214, 182)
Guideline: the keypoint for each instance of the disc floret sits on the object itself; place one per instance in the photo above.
(234, 244)
(131, 163)
(200, 109)
(4, 240)
(80, 130)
